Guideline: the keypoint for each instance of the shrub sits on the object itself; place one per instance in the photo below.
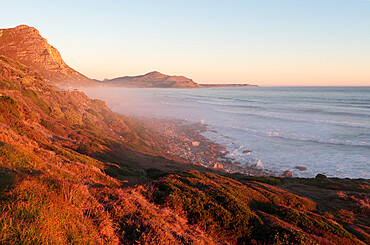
(215, 208)
(314, 224)
(13, 156)
(32, 95)
(9, 106)
(53, 127)
(56, 112)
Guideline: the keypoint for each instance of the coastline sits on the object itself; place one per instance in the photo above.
(185, 140)
(257, 125)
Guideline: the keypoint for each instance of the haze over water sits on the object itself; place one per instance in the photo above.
(326, 129)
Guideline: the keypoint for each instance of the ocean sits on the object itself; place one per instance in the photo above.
(324, 129)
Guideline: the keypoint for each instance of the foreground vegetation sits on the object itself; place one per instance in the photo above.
(73, 172)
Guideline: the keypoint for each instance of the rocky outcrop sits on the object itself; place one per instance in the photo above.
(153, 80)
(25, 45)
(287, 174)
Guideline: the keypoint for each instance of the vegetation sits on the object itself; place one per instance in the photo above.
(32, 95)
(73, 172)
(239, 213)
(8, 106)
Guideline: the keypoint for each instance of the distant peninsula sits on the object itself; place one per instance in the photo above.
(156, 79)
(152, 80)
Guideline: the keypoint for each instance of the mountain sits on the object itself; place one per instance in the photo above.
(153, 80)
(25, 45)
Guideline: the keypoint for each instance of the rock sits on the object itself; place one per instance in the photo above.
(218, 166)
(321, 176)
(195, 143)
(300, 168)
(259, 164)
(287, 174)
(247, 152)
(228, 162)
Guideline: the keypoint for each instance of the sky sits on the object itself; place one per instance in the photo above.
(264, 42)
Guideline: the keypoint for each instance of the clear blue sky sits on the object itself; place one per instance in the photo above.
(266, 42)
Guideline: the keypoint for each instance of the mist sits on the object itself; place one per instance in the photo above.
(149, 102)
(279, 127)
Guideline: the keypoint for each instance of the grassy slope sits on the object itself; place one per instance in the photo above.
(64, 165)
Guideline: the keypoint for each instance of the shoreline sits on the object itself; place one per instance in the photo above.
(185, 140)
(274, 144)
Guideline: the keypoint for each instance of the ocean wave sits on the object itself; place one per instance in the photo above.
(219, 103)
(309, 110)
(328, 142)
(295, 137)
(284, 108)
(279, 117)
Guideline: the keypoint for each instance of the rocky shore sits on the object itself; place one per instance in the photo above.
(185, 140)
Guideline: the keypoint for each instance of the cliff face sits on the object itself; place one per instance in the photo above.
(25, 45)
(153, 80)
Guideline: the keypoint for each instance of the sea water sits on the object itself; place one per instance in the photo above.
(324, 129)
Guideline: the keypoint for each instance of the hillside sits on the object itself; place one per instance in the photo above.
(153, 80)
(72, 171)
(26, 45)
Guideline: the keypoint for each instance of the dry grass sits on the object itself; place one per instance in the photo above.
(142, 222)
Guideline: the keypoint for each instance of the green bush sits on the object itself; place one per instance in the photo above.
(9, 106)
(215, 208)
(8, 84)
(13, 156)
(32, 95)
(315, 224)
(55, 128)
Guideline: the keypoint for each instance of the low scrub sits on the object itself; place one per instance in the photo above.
(249, 213)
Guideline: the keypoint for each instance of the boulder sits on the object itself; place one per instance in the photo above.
(300, 168)
(321, 176)
(287, 174)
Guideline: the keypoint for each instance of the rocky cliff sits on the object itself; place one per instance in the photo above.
(25, 45)
(153, 80)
